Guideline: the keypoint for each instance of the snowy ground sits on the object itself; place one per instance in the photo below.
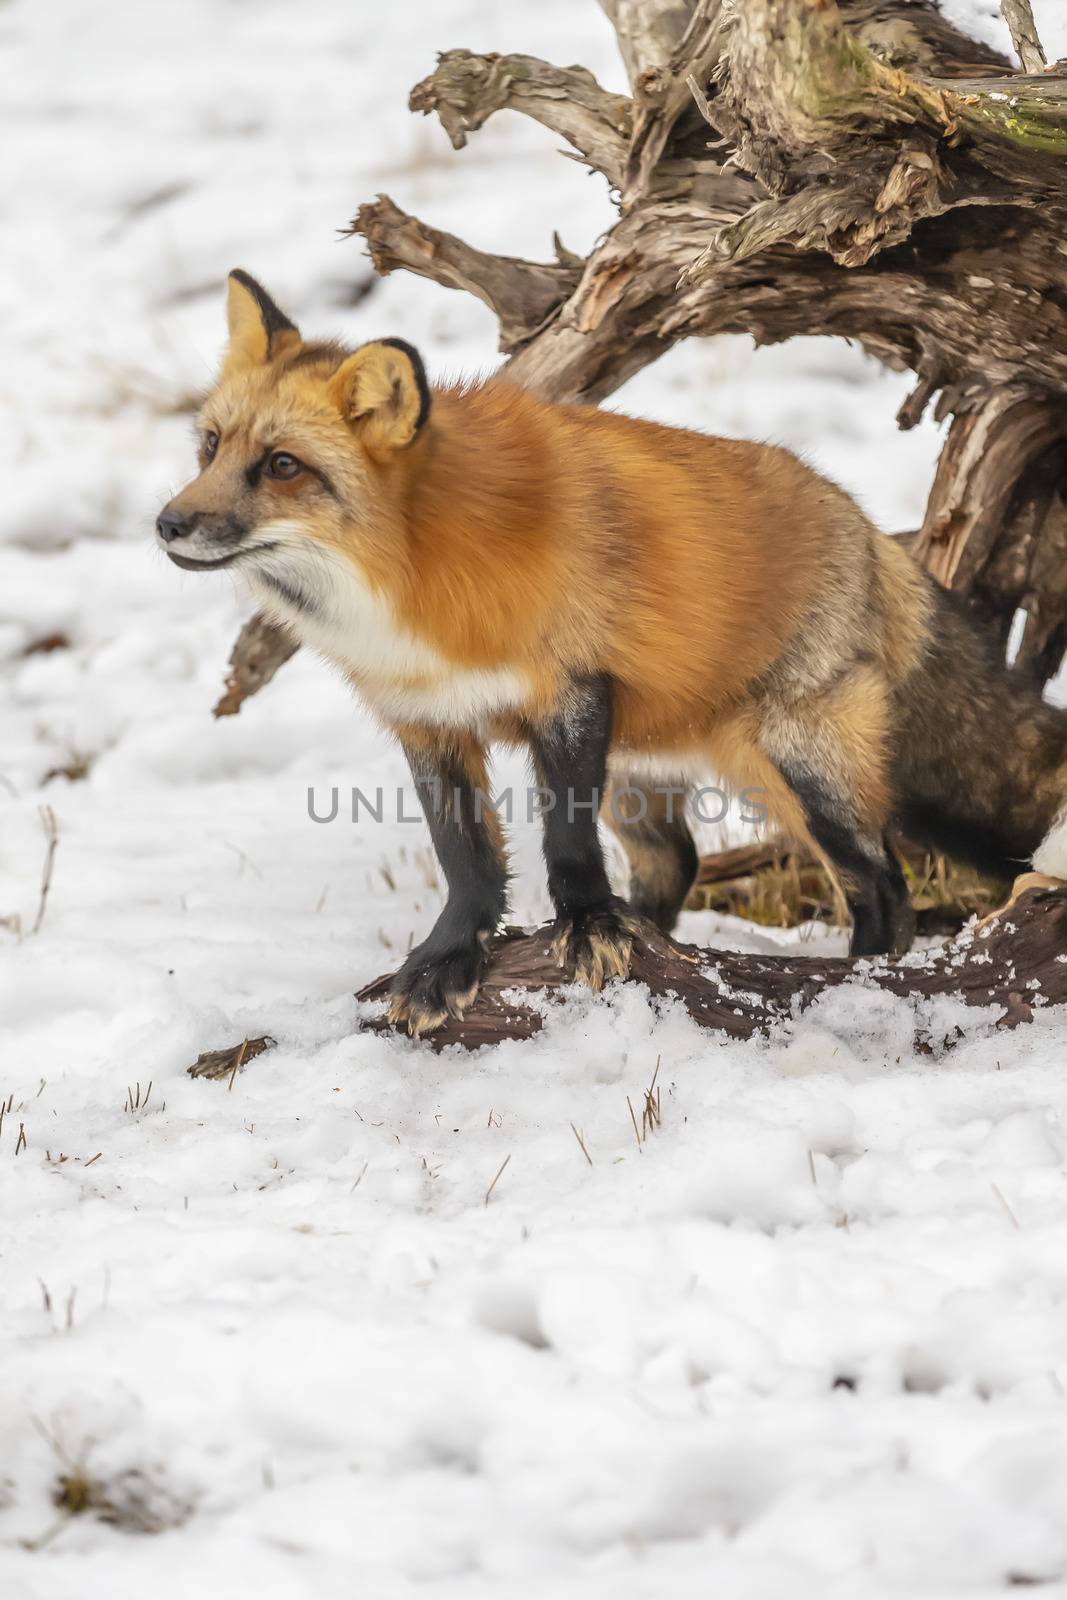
(810, 1339)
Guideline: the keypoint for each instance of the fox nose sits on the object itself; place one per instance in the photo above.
(171, 525)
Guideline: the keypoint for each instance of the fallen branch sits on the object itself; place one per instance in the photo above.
(1012, 960)
(50, 828)
(226, 1063)
(261, 648)
(1019, 16)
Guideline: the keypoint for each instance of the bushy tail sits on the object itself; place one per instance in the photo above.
(980, 760)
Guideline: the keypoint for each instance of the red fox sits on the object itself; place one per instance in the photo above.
(625, 600)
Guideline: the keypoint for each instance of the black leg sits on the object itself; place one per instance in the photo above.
(440, 977)
(570, 750)
(874, 885)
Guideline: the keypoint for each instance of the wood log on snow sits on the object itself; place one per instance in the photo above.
(1014, 961)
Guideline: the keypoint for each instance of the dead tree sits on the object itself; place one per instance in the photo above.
(857, 168)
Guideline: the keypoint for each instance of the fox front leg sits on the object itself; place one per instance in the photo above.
(593, 935)
(440, 977)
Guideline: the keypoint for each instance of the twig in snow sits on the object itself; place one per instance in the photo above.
(499, 1175)
(1012, 1218)
(633, 1119)
(581, 1144)
(653, 1115)
(133, 1097)
(238, 1058)
(51, 834)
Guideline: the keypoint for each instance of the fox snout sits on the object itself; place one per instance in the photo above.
(197, 540)
(172, 524)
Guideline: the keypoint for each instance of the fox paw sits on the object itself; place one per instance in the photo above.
(597, 944)
(431, 988)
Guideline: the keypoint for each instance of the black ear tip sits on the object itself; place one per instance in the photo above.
(408, 350)
(421, 380)
(274, 318)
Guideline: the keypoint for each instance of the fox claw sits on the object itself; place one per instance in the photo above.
(597, 944)
(429, 990)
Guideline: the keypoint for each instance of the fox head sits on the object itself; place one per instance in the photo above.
(296, 446)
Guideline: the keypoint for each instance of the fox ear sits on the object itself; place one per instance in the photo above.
(382, 393)
(259, 331)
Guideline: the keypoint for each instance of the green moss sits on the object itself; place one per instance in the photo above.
(1037, 129)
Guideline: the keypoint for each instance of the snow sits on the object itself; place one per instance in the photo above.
(984, 20)
(808, 1338)
(1051, 854)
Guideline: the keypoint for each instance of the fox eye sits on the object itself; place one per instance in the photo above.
(209, 444)
(283, 465)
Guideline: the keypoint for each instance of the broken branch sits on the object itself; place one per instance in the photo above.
(466, 89)
(522, 294)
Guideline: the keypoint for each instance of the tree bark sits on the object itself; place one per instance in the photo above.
(1020, 19)
(1012, 961)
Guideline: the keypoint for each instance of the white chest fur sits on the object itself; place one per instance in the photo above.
(323, 597)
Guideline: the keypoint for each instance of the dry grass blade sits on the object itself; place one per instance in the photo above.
(51, 834)
(496, 1180)
(581, 1144)
(1012, 1218)
(633, 1119)
(653, 1112)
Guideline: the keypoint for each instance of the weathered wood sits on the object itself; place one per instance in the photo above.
(466, 89)
(647, 31)
(225, 1064)
(521, 294)
(261, 648)
(996, 521)
(1012, 961)
(1019, 16)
